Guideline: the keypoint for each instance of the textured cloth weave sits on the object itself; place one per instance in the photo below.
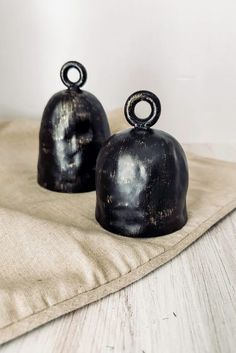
(54, 256)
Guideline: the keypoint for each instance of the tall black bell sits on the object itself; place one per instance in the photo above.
(141, 177)
(73, 129)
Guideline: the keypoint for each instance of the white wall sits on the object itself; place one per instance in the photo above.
(184, 51)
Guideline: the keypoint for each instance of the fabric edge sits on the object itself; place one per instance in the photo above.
(38, 319)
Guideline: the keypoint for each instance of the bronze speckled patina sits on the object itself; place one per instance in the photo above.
(73, 129)
(141, 177)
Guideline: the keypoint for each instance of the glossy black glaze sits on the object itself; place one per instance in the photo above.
(141, 177)
(74, 127)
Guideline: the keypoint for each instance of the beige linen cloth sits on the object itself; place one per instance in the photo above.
(54, 256)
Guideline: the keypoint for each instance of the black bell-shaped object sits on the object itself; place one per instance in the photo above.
(141, 177)
(74, 127)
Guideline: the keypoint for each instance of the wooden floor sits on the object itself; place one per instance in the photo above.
(188, 305)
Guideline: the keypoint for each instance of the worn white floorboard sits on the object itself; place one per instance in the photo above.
(187, 305)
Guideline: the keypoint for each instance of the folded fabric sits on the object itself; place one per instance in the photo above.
(54, 256)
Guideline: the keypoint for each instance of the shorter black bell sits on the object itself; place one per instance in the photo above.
(141, 177)
(74, 127)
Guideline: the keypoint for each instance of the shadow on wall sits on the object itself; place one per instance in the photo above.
(9, 114)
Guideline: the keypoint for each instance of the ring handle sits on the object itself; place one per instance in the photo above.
(137, 97)
(73, 65)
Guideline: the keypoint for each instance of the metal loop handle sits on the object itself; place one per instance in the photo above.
(75, 65)
(137, 97)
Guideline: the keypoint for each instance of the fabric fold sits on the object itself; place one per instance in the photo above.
(54, 256)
